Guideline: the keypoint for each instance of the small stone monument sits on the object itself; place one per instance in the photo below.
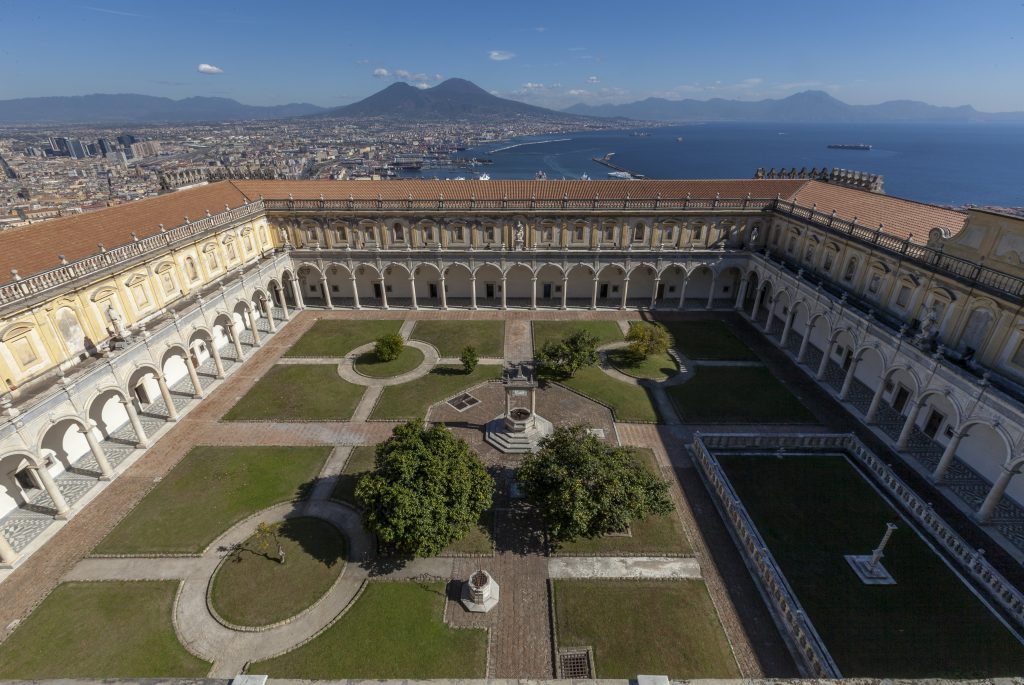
(869, 567)
(520, 429)
(480, 593)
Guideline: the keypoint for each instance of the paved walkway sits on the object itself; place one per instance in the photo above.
(645, 568)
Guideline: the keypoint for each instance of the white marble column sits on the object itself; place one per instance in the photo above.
(787, 327)
(625, 293)
(412, 289)
(593, 297)
(236, 340)
(742, 294)
(142, 440)
(326, 290)
(218, 363)
(988, 507)
(97, 450)
(504, 292)
(284, 303)
(805, 343)
(682, 295)
(269, 313)
(908, 425)
(384, 295)
(565, 293)
(165, 393)
(50, 485)
(848, 379)
(7, 554)
(472, 293)
(355, 294)
(757, 304)
(654, 292)
(533, 292)
(256, 340)
(771, 317)
(444, 295)
(193, 376)
(827, 353)
(876, 401)
(711, 295)
(948, 455)
(296, 293)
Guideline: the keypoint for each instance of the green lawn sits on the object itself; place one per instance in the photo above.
(652, 535)
(411, 400)
(654, 366)
(449, 337)
(407, 360)
(394, 630)
(252, 589)
(644, 626)
(332, 338)
(629, 402)
(479, 539)
(101, 630)
(812, 510)
(298, 392)
(543, 331)
(708, 340)
(209, 491)
(737, 394)
(360, 460)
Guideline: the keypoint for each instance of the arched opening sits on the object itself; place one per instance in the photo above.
(458, 284)
(580, 286)
(549, 286)
(287, 285)
(671, 286)
(610, 282)
(698, 286)
(310, 285)
(339, 285)
(641, 286)
(108, 411)
(175, 370)
(725, 287)
(753, 283)
(983, 449)
(19, 485)
(63, 445)
(428, 285)
(242, 324)
(397, 286)
(519, 283)
(369, 286)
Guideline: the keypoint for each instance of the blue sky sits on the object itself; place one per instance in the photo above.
(551, 53)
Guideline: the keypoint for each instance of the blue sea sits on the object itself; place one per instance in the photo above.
(949, 164)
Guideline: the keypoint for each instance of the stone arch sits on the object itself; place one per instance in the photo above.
(309, 276)
(288, 281)
(200, 344)
(986, 447)
(428, 284)
(518, 284)
(699, 283)
(550, 279)
(939, 399)
(368, 284)
(726, 285)
(610, 281)
(61, 441)
(396, 284)
(142, 385)
(673, 276)
(459, 284)
(753, 286)
(871, 365)
(223, 330)
(107, 410)
(173, 366)
(641, 285)
(799, 315)
(580, 286)
(977, 329)
(17, 481)
(339, 284)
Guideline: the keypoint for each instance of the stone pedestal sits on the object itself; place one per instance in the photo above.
(520, 429)
(869, 574)
(480, 593)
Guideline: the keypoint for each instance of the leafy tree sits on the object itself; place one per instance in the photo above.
(388, 347)
(469, 358)
(646, 339)
(426, 490)
(585, 487)
(266, 538)
(567, 356)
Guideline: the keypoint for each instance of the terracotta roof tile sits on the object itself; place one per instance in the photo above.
(898, 216)
(35, 247)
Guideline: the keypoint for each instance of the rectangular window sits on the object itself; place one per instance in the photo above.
(549, 234)
(699, 231)
(459, 234)
(931, 426)
(609, 234)
(670, 234)
(489, 234)
(428, 233)
(579, 234)
(399, 233)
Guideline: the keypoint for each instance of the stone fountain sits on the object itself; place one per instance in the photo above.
(480, 593)
(520, 429)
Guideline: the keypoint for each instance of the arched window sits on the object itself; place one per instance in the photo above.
(232, 252)
(976, 330)
(399, 233)
(851, 268)
(211, 260)
(247, 241)
(190, 269)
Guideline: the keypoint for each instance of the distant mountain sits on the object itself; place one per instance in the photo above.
(452, 99)
(137, 109)
(808, 106)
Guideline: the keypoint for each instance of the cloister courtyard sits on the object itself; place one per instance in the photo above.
(159, 576)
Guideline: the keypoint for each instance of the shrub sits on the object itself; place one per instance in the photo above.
(646, 339)
(388, 347)
(567, 356)
(469, 358)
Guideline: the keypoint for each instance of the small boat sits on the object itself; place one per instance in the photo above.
(484, 177)
(540, 176)
(849, 146)
(585, 177)
(625, 175)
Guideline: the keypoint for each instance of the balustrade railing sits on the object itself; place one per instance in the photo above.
(23, 288)
(504, 204)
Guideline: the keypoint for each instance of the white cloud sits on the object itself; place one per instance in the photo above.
(209, 69)
(362, 61)
(381, 72)
(577, 92)
(540, 29)
(593, 79)
(530, 85)
(422, 86)
(500, 55)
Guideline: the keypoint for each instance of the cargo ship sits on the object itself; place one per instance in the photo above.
(857, 146)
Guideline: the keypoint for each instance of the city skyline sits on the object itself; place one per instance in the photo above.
(942, 53)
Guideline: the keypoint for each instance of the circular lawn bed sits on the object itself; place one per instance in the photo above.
(251, 588)
(655, 366)
(368, 365)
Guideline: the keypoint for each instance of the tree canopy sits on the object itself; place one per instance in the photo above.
(585, 487)
(427, 489)
(647, 338)
(570, 354)
(388, 347)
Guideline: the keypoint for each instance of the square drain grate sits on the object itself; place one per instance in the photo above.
(462, 402)
(575, 664)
